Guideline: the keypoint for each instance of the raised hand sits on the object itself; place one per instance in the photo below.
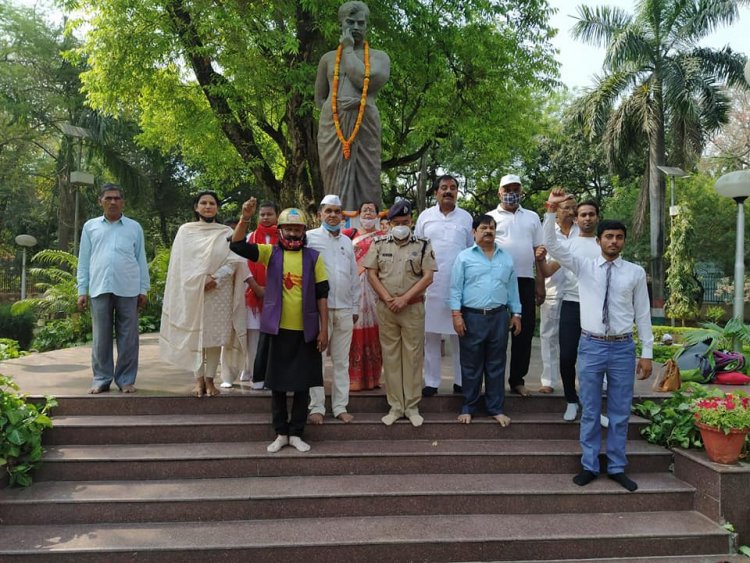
(248, 209)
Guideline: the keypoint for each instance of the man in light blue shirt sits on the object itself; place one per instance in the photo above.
(112, 271)
(483, 295)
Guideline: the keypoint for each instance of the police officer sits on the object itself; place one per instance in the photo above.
(400, 266)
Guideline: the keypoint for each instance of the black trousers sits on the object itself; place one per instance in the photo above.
(520, 347)
(282, 424)
(570, 334)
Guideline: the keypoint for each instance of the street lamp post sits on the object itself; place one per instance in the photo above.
(737, 186)
(24, 241)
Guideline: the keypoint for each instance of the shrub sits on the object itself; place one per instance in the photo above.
(671, 420)
(9, 349)
(63, 333)
(19, 327)
(21, 427)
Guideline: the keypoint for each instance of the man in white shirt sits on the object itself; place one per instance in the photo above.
(449, 229)
(584, 245)
(343, 306)
(519, 232)
(549, 311)
(613, 297)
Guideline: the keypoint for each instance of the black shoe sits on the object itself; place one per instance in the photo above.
(429, 391)
(458, 389)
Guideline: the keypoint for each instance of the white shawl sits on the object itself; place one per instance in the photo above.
(198, 251)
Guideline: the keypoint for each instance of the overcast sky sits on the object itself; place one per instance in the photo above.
(580, 62)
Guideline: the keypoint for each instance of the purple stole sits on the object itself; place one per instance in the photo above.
(270, 316)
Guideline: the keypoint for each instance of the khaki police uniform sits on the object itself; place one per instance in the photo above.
(399, 267)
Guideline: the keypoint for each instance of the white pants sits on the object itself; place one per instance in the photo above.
(340, 325)
(253, 335)
(549, 334)
(432, 358)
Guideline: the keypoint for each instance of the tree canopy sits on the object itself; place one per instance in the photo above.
(229, 86)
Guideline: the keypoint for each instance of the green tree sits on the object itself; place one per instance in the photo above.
(684, 293)
(659, 88)
(229, 86)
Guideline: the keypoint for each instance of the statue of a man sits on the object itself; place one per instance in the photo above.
(346, 87)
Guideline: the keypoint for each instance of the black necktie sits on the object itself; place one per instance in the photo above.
(605, 305)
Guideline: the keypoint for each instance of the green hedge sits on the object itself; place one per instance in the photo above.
(17, 327)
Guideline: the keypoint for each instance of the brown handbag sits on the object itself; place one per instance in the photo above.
(670, 378)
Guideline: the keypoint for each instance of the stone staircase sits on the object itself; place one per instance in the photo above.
(164, 478)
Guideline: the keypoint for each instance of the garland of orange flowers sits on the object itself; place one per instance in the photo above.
(347, 143)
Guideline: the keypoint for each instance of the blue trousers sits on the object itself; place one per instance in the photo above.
(108, 310)
(617, 360)
(483, 353)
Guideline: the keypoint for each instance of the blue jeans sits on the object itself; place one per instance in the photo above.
(617, 360)
(483, 352)
(107, 310)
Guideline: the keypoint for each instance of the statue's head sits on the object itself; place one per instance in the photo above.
(353, 7)
(355, 16)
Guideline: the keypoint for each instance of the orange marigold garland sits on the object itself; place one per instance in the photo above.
(346, 143)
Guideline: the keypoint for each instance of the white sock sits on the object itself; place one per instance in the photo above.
(571, 412)
(297, 442)
(277, 444)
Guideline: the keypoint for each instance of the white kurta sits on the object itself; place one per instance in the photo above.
(449, 235)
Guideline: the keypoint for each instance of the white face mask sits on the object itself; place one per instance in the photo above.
(401, 232)
(367, 224)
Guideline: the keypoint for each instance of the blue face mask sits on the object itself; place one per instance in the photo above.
(511, 199)
(330, 229)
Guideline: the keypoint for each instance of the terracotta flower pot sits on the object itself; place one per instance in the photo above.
(720, 447)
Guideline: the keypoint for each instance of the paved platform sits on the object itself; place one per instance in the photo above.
(67, 372)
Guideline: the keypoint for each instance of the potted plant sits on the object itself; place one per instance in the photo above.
(724, 422)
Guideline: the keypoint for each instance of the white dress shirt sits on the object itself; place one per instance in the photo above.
(343, 278)
(555, 284)
(628, 294)
(585, 247)
(518, 234)
(449, 234)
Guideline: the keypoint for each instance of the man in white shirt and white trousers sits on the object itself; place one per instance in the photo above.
(449, 229)
(613, 296)
(343, 306)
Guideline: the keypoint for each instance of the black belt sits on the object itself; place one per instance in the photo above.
(484, 311)
(610, 338)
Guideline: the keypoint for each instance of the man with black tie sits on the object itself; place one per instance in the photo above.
(613, 297)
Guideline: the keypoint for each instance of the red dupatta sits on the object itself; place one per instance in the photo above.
(261, 235)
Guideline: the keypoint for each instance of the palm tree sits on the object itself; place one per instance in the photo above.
(658, 87)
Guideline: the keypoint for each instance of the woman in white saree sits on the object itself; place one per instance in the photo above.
(204, 299)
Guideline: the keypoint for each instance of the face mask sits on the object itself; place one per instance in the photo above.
(511, 199)
(291, 243)
(401, 232)
(330, 229)
(206, 219)
(367, 224)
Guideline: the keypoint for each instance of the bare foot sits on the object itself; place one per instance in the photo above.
(200, 388)
(315, 418)
(464, 418)
(345, 417)
(546, 389)
(96, 389)
(128, 389)
(521, 390)
(211, 390)
(502, 420)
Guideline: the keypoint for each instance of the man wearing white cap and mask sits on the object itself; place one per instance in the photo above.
(519, 232)
(343, 306)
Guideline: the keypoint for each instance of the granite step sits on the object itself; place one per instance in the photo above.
(245, 459)
(248, 401)
(238, 427)
(79, 502)
(473, 537)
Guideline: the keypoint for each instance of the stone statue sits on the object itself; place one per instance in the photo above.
(350, 153)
